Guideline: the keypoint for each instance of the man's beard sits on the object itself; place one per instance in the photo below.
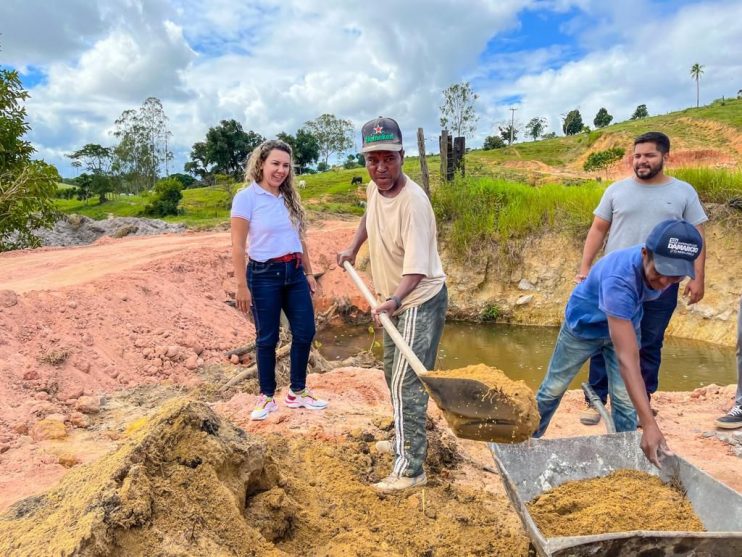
(653, 171)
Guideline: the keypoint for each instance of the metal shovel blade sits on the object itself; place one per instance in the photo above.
(473, 410)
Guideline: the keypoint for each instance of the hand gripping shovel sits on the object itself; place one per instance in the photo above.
(482, 408)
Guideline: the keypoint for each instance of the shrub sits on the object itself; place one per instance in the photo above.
(166, 198)
(491, 312)
(603, 159)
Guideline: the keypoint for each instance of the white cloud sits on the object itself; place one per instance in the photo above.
(650, 66)
(273, 65)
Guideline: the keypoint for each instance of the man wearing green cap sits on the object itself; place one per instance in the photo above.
(401, 231)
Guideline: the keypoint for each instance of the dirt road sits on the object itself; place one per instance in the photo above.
(54, 268)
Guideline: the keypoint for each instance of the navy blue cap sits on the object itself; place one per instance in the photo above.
(676, 244)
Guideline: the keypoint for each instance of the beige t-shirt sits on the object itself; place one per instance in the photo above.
(402, 238)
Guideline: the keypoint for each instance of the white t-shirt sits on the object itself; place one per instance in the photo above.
(271, 233)
(402, 240)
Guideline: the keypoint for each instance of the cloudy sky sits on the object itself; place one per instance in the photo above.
(274, 65)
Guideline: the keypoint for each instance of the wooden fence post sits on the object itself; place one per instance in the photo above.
(444, 155)
(459, 150)
(423, 161)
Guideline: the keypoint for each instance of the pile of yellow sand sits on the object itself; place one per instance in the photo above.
(499, 410)
(178, 486)
(623, 501)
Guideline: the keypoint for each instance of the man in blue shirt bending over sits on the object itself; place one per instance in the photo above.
(604, 314)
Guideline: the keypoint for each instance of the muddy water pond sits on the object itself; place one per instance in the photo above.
(524, 352)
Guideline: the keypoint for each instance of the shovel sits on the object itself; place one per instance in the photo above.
(472, 408)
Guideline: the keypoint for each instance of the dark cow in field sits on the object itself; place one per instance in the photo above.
(356, 180)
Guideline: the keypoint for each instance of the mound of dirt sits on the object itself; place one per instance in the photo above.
(177, 487)
(76, 230)
(327, 508)
(189, 483)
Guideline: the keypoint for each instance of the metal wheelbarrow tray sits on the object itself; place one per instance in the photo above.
(532, 467)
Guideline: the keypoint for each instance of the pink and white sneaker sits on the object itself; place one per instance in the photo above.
(264, 406)
(304, 399)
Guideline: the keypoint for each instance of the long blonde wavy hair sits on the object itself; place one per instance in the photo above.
(254, 173)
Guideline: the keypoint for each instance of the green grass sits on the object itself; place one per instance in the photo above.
(202, 207)
(714, 185)
(332, 192)
(121, 206)
(481, 213)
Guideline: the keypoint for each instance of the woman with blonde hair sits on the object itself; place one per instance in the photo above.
(278, 274)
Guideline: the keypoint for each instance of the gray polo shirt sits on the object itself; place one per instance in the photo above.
(633, 209)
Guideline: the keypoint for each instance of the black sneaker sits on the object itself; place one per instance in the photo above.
(732, 420)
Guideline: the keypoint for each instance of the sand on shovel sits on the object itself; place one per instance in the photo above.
(502, 411)
(623, 501)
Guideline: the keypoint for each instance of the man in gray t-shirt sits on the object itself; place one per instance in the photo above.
(627, 212)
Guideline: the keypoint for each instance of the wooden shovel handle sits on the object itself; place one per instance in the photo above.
(415, 363)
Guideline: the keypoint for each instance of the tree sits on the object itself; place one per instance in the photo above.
(602, 118)
(493, 142)
(457, 111)
(225, 151)
(640, 112)
(95, 158)
(333, 135)
(505, 132)
(98, 161)
(27, 187)
(304, 146)
(14, 150)
(142, 148)
(199, 164)
(186, 180)
(696, 70)
(572, 123)
(535, 127)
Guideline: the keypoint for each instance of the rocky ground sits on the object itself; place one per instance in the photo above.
(94, 339)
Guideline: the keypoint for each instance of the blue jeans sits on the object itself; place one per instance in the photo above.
(569, 354)
(275, 287)
(655, 319)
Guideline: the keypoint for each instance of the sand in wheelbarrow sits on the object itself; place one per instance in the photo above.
(623, 501)
(509, 400)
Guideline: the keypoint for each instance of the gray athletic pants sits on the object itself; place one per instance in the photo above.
(421, 327)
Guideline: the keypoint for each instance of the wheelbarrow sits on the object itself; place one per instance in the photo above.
(530, 468)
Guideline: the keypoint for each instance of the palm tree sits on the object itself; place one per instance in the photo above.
(695, 72)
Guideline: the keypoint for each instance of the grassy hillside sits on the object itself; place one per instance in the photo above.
(557, 162)
(717, 126)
